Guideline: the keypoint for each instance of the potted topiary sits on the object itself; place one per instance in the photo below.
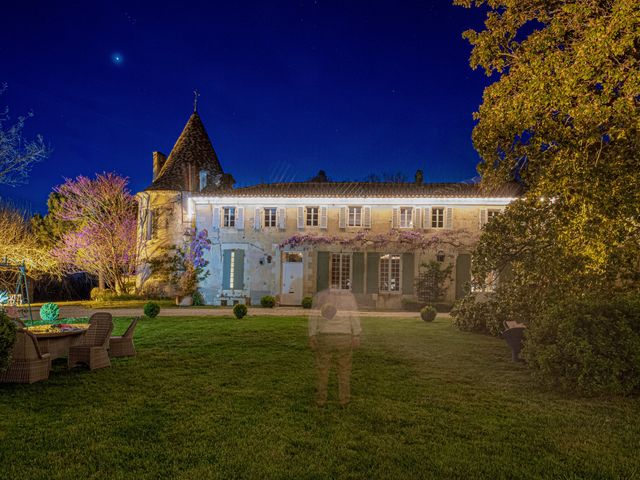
(428, 313)
(151, 309)
(239, 310)
(307, 302)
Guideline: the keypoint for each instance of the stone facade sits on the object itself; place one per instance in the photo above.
(248, 225)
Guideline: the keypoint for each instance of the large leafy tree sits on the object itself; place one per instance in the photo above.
(103, 240)
(563, 116)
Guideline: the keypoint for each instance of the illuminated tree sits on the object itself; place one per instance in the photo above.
(17, 154)
(103, 243)
(17, 245)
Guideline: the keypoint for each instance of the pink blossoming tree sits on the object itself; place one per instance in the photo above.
(103, 242)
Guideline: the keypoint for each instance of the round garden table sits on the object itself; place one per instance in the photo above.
(57, 344)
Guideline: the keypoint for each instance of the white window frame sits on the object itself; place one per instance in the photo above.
(341, 271)
(273, 219)
(357, 215)
(492, 213)
(310, 215)
(405, 218)
(229, 217)
(388, 258)
(440, 219)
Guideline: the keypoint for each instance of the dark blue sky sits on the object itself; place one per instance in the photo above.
(287, 88)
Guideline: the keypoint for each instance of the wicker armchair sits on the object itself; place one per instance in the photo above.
(28, 364)
(94, 346)
(123, 346)
(99, 316)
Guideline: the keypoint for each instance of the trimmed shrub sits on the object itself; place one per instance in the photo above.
(198, 299)
(101, 294)
(7, 339)
(328, 311)
(471, 314)
(49, 312)
(591, 345)
(240, 310)
(151, 309)
(268, 301)
(428, 313)
(307, 302)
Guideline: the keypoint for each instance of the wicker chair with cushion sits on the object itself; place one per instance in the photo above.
(94, 346)
(123, 346)
(28, 364)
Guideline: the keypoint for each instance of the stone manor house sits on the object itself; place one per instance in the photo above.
(249, 227)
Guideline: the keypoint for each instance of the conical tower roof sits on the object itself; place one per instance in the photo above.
(192, 153)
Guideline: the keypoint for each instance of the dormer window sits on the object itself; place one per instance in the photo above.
(203, 179)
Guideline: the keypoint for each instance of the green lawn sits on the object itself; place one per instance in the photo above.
(223, 398)
(102, 304)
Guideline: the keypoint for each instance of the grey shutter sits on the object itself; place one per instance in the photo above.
(149, 223)
(366, 217)
(203, 217)
(238, 270)
(323, 217)
(357, 281)
(463, 274)
(216, 218)
(483, 217)
(408, 273)
(282, 218)
(342, 217)
(417, 218)
(257, 220)
(322, 271)
(373, 260)
(300, 218)
(395, 217)
(226, 269)
(448, 218)
(240, 218)
(426, 220)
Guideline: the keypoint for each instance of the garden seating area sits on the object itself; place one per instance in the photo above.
(89, 344)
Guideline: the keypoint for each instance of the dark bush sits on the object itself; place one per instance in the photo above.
(268, 301)
(198, 299)
(428, 313)
(7, 339)
(307, 302)
(151, 309)
(481, 315)
(591, 345)
(239, 310)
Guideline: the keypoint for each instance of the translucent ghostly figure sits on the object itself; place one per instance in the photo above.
(334, 331)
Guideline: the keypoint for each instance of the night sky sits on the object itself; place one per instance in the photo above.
(287, 88)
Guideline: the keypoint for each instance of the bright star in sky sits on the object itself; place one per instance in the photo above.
(117, 58)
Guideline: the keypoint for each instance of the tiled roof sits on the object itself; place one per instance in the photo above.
(368, 189)
(193, 147)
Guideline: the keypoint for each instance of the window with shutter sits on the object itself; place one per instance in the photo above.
(282, 218)
(313, 216)
(366, 217)
(240, 218)
(270, 217)
(395, 217)
(300, 218)
(437, 217)
(324, 217)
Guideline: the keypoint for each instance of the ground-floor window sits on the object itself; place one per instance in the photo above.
(341, 271)
(389, 273)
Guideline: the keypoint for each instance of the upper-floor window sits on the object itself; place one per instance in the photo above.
(406, 217)
(312, 216)
(389, 273)
(203, 179)
(355, 217)
(437, 217)
(229, 217)
(270, 217)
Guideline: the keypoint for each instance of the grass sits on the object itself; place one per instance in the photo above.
(102, 304)
(222, 398)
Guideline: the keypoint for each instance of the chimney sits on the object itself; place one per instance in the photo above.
(419, 177)
(158, 161)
